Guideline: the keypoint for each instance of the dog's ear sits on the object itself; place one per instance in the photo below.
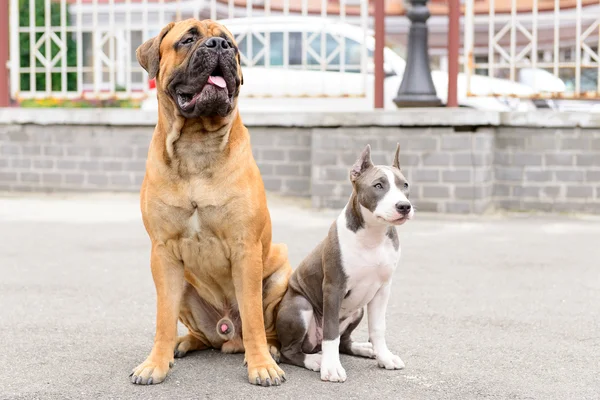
(396, 163)
(148, 54)
(362, 164)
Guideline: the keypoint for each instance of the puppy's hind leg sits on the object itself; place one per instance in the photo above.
(348, 346)
(293, 321)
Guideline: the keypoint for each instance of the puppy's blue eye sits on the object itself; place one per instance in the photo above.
(405, 185)
(378, 186)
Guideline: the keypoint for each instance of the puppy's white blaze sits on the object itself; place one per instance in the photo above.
(386, 208)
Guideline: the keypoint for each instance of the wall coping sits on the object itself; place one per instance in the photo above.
(406, 118)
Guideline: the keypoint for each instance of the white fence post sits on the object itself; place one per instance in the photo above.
(469, 58)
(563, 33)
(15, 49)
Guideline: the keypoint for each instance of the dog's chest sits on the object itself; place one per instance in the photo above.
(367, 268)
(199, 231)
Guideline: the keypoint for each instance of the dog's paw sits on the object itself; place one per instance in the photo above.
(275, 353)
(390, 361)
(362, 349)
(313, 362)
(150, 372)
(332, 371)
(182, 347)
(267, 374)
(233, 346)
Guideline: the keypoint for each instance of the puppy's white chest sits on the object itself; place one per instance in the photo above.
(366, 269)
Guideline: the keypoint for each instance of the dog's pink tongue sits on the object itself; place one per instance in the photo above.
(224, 328)
(217, 81)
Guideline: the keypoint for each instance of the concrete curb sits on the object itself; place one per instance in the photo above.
(408, 117)
(129, 117)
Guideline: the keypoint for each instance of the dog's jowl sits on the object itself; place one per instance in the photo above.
(204, 207)
(350, 269)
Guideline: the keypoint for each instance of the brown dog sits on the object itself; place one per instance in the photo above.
(204, 208)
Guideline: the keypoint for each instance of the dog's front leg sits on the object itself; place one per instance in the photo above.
(169, 281)
(247, 269)
(331, 367)
(376, 309)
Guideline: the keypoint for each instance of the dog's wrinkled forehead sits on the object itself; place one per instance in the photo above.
(203, 29)
(164, 53)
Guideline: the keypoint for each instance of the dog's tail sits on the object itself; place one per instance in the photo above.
(225, 329)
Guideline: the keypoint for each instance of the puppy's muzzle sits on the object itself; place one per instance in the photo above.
(403, 207)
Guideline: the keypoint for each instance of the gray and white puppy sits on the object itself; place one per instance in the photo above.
(350, 269)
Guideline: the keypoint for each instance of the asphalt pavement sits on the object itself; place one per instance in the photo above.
(494, 307)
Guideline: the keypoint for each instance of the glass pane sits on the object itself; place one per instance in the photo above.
(295, 45)
(276, 52)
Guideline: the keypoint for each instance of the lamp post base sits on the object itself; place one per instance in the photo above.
(417, 100)
(417, 89)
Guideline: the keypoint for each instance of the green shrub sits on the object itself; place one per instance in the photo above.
(71, 56)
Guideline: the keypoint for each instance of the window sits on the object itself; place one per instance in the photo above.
(296, 52)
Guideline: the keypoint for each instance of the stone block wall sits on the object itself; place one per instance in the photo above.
(284, 159)
(456, 161)
(113, 158)
(547, 169)
(449, 171)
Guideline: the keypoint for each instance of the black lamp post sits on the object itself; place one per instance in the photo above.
(416, 89)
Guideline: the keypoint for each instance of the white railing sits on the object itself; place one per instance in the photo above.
(519, 43)
(86, 48)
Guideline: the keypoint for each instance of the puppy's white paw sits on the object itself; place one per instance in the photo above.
(313, 362)
(364, 349)
(333, 371)
(389, 361)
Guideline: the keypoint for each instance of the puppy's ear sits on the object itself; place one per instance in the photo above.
(148, 54)
(396, 162)
(362, 164)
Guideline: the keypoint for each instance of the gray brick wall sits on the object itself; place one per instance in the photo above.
(547, 169)
(72, 158)
(283, 156)
(102, 158)
(514, 168)
(448, 171)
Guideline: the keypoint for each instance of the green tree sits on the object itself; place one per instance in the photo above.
(71, 56)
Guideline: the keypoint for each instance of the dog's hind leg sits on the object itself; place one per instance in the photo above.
(188, 343)
(293, 322)
(274, 287)
(348, 346)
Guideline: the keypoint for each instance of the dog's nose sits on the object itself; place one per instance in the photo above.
(217, 43)
(403, 207)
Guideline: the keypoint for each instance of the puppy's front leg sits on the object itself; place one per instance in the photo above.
(247, 266)
(376, 309)
(167, 273)
(331, 367)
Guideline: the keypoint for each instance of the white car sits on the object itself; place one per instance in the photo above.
(307, 84)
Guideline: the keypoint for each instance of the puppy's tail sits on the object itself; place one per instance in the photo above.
(225, 329)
